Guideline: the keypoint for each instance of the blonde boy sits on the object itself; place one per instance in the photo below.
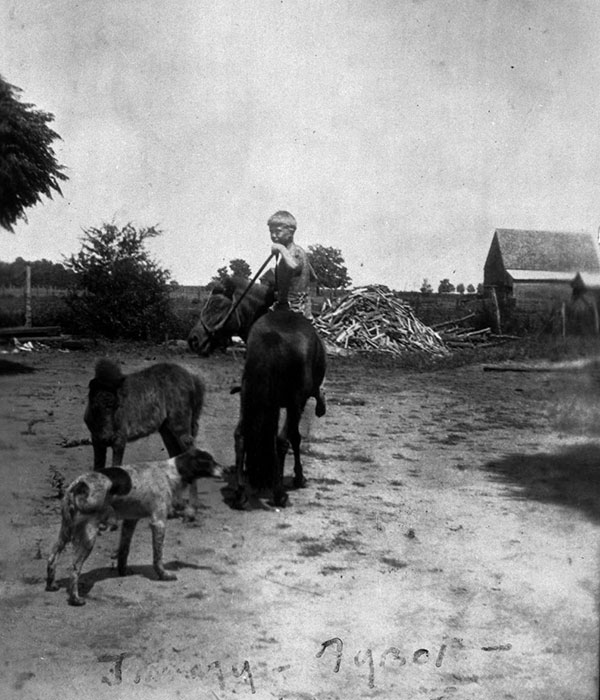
(293, 271)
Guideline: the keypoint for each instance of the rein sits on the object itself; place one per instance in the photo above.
(234, 304)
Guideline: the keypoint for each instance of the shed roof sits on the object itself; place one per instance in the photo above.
(554, 251)
(540, 276)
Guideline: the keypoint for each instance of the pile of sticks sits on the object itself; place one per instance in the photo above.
(372, 319)
(458, 334)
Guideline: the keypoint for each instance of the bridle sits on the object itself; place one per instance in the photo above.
(211, 332)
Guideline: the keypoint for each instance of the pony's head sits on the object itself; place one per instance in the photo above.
(214, 329)
(223, 317)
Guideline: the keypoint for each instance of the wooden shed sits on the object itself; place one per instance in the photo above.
(535, 270)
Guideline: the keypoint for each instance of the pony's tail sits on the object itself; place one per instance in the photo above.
(260, 446)
(261, 387)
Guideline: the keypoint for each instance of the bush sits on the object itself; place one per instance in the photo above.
(121, 292)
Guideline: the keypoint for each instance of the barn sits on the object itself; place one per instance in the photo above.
(533, 272)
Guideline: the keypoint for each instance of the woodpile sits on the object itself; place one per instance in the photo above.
(373, 319)
(459, 334)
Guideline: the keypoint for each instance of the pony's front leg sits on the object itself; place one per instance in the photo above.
(99, 455)
(118, 451)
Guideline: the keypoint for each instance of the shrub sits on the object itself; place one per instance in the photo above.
(121, 292)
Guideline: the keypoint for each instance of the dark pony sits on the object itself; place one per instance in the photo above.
(285, 366)
(163, 398)
(211, 333)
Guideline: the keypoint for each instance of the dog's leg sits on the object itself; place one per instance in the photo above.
(84, 538)
(176, 445)
(191, 508)
(157, 525)
(127, 530)
(64, 537)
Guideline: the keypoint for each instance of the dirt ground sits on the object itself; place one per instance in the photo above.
(446, 546)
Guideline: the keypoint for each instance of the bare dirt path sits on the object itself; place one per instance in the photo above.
(446, 547)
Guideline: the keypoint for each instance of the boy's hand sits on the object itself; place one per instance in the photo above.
(277, 248)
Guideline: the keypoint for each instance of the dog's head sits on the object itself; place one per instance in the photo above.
(195, 464)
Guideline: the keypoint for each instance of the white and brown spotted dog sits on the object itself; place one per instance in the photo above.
(128, 493)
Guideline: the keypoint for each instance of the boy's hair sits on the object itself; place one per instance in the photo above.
(284, 218)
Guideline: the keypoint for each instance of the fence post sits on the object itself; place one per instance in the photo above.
(28, 296)
(496, 310)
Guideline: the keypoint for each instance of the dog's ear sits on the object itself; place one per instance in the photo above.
(120, 481)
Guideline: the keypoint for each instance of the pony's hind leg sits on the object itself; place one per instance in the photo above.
(292, 430)
(240, 498)
(321, 405)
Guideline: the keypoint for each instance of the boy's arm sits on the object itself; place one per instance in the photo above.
(294, 262)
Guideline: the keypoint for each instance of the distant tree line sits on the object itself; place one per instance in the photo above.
(446, 287)
(44, 273)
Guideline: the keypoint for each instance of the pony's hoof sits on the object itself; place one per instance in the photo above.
(240, 500)
(280, 500)
(76, 602)
(52, 587)
(167, 576)
(300, 482)
(189, 515)
(321, 407)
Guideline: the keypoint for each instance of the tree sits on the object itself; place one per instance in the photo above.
(237, 268)
(426, 288)
(471, 289)
(240, 268)
(445, 286)
(460, 288)
(221, 276)
(28, 166)
(329, 267)
(121, 292)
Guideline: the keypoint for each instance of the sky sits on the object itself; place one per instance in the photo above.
(400, 132)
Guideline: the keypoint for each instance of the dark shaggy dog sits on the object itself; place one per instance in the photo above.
(163, 398)
(285, 366)
(128, 493)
